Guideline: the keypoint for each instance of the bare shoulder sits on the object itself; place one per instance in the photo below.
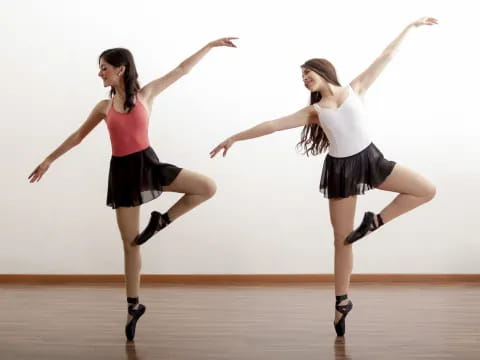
(142, 96)
(356, 86)
(98, 113)
(102, 107)
(310, 109)
(146, 102)
(145, 94)
(312, 114)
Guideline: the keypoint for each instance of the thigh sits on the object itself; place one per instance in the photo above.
(342, 214)
(190, 182)
(406, 181)
(128, 221)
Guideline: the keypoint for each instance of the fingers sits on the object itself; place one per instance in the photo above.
(229, 44)
(227, 41)
(36, 175)
(33, 176)
(218, 149)
(427, 21)
(214, 152)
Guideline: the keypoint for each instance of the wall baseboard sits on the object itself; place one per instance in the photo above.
(236, 279)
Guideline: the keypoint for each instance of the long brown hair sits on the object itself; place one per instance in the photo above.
(118, 57)
(313, 138)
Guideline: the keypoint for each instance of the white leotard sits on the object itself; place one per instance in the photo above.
(345, 126)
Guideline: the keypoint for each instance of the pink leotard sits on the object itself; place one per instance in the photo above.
(128, 131)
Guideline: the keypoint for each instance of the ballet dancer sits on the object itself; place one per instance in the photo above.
(136, 175)
(336, 120)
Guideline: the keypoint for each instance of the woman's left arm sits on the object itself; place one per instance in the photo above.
(362, 82)
(152, 89)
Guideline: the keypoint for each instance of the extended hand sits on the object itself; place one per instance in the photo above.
(227, 41)
(41, 169)
(225, 145)
(425, 21)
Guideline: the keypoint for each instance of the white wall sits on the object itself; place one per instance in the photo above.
(267, 216)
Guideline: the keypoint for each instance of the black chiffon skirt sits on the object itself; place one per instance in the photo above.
(354, 175)
(137, 178)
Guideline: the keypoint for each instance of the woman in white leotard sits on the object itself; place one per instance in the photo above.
(336, 120)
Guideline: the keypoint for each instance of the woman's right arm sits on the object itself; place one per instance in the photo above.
(307, 115)
(98, 114)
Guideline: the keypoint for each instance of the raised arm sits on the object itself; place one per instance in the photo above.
(98, 113)
(152, 89)
(303, 117)
(362, 82)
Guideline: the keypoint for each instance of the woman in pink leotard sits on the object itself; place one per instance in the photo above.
(136, 175)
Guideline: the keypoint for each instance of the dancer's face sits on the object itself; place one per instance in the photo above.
(111, 75)
(312, 80)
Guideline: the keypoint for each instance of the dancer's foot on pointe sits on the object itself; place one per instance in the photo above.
(135, 311)
(342, 307)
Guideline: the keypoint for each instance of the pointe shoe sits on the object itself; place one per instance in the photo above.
(344, 310)
(155, 224)
(367, 226)
(132, 324)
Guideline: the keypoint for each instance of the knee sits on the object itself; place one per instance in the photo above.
(128, 246)
(210, 188)
(339, 239)
(430, 192)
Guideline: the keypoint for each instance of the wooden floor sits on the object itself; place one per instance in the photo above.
(402, 321)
